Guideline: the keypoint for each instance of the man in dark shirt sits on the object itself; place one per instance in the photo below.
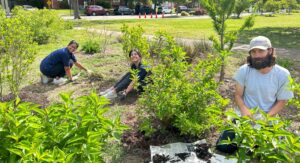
(59, 63)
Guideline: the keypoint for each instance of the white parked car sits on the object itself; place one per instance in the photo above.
(165, 10)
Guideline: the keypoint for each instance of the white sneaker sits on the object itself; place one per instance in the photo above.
(45, 79)
(106, 91)
(60, 81)
(111, 95)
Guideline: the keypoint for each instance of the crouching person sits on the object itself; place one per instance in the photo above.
(125, 84)
(260, 83)
(59, 63)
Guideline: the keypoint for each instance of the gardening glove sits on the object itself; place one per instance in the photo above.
(122, 95)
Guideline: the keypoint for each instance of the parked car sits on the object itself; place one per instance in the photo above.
(146, 9)
(95, 10)
(123, 10)
(179, 9)
(28, 7)
(200, 11)
(165, 10)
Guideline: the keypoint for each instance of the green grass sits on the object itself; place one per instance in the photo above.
(283, 30)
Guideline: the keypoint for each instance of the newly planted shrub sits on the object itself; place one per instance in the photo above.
(133, 38)
(70, 131)
(91, 46)
(17, 50)
(265, 139)
(181, 95)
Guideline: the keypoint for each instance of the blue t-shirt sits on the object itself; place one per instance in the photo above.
(60, 56)
(263, 90)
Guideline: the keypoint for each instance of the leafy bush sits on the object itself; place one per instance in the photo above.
(133, 38)
(284, 62)
(296, 89)
(91, 46)
(103, 4)
(181, 95)
(70, 131)
(44, 24)
(196, 48)
(184, 13)
(267, 139)
(64, 4)
(17, 51)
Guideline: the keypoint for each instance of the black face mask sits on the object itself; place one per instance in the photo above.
(260, 63)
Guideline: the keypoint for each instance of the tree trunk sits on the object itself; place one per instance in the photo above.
(222, 72)
(4, 4)
(76, 9)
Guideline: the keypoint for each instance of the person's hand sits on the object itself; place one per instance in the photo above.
(246, 112)
(122, 95)
(89, 72)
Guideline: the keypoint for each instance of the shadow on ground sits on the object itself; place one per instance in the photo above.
(291, 36)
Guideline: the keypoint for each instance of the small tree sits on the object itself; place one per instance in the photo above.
(18, 49)
(220, 11)
(272, 5)
(240, 6)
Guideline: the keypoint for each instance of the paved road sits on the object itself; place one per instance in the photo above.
(120, 17)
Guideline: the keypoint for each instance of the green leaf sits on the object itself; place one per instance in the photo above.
(15, 151)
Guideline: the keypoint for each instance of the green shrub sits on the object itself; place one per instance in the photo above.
(267, 139)
(295, 86)
(132, 38)
(295, 11)
(184, 13)
(104, 4)
(182, 95)
(285, 62)
(64, 4)
(70, 131)
(17, 51)
(91, 46)
(44, 24)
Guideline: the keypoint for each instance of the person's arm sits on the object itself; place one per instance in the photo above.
(129, 88)
(239, 91)
(79, 65)
(278, 106)
(68, 72)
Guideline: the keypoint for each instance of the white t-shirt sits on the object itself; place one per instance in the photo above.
(263, 90)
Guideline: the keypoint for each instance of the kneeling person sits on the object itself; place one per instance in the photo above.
(59, 63)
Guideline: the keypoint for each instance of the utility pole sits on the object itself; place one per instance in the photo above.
(4, 4)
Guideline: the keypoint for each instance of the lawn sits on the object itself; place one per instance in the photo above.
(276, 28)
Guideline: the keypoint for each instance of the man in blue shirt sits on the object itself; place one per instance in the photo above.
(59, 63)
(262, 83)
